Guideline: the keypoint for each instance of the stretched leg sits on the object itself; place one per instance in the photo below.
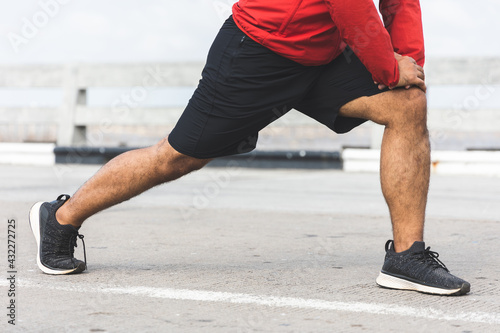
(405, 157)
(124, 177)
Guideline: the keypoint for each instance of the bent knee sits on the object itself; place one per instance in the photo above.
(184, 163)
(192, 163)
(170, 160)
(416, 98)
(413, 108)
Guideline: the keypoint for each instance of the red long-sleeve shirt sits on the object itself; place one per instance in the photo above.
(314, 32)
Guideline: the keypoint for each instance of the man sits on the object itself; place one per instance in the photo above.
(333, 60)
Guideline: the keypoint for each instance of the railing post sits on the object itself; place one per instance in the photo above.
(80, 134)
(68, 133)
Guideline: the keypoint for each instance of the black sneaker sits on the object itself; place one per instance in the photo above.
(56, 243)
(419, 269)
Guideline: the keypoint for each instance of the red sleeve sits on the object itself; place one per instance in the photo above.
(403, 20)
(361, 28)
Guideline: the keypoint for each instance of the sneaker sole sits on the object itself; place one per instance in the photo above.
(34, 220)
(392, 282)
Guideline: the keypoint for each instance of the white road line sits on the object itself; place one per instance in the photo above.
(271, 301)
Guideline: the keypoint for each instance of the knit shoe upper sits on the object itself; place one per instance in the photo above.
(419, 268)
(56, 242)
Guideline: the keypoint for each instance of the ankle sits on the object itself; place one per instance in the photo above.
(62, 217)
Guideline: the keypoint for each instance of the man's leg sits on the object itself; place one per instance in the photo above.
(404, 174)
(55, 224)
(235, 99)
(405, 157)
(125, 177)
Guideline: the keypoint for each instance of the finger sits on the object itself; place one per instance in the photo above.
(382, 86)
(421, 85)
(421, 75)
(420, 69)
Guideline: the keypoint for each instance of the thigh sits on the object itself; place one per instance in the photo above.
(244, 87)
(343, 80)
(394, 105)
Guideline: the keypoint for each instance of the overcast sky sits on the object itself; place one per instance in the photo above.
(168, 30)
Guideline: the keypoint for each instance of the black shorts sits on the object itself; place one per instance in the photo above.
(245, 87)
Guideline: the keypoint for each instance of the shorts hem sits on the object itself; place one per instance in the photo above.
(179, 149)
(184, 152)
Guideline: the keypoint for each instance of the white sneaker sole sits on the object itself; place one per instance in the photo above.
(34, 220)
(393, 282)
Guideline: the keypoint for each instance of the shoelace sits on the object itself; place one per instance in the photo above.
(424, 256)
(73, 244)
(432, 257)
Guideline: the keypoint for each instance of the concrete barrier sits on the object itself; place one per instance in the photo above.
(485, 163)
(27, 153)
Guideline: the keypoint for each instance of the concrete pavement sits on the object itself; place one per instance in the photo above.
(243, 250)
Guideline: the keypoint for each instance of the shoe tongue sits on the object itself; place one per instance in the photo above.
(417, 247)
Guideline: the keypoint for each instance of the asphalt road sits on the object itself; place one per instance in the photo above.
(246, 250)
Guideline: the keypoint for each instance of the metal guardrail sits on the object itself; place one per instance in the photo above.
(74, 115)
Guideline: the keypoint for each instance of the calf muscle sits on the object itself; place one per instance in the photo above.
(124, 177)
(405, 157)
